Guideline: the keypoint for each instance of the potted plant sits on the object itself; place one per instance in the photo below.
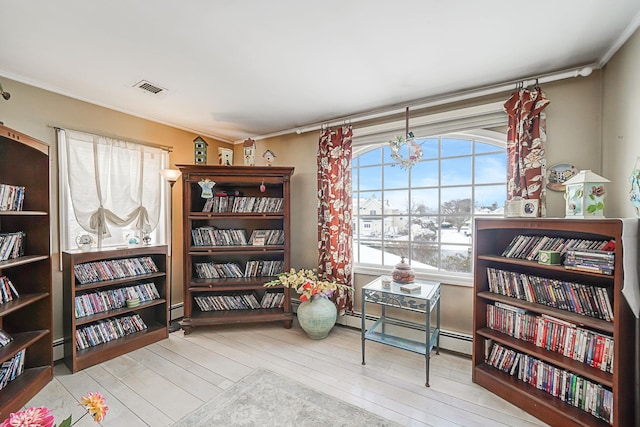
(317, 313)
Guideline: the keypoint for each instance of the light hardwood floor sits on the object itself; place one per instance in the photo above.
(157, 385)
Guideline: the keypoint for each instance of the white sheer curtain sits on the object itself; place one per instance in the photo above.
(111, 183)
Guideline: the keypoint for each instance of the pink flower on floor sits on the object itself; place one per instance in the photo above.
(94, 403)
(30, 417)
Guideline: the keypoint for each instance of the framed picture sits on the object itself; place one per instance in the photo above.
(529, 208)
(558, 174)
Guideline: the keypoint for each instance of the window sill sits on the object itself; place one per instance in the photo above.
(465, 280)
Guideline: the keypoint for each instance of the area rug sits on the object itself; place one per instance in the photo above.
(264, 398)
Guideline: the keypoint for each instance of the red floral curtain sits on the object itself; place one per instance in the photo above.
(335, 253)
(526, 137)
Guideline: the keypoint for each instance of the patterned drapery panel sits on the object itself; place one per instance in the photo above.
(526, 137)
(335, 253)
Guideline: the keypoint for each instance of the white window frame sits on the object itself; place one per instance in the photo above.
(471, 122)
(66, 214)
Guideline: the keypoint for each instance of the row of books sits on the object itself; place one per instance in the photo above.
(111, 299)
(211, 236)
(239, 302)
(10, 369)
(570, 388)
(584, 345)
(99, 271)
(591, 260)
(263, 268)
(527, 247)
(12, 245)
(587, 300)
(211, 270)
(253, 268)
(5, 338)
(267, 237)
(7, 290)
(108, 330)
(11, 197)
(221, 204)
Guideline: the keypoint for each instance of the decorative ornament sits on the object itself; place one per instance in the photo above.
(249, 147)
(634, 193)
(262, 187)
(207, 188)
(585, 195)
(415, 150)
(269, 156)
(403, 273)
(225, 156)
(200, 150)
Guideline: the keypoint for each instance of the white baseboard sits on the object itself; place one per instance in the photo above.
(452, 341)
(449, 340)
(58, 344)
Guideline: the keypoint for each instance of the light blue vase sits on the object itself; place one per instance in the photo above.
(317, 317)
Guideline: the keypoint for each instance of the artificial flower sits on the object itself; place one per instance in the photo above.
(30, 417)
(42, 417)
(306, 283)
(94, 403)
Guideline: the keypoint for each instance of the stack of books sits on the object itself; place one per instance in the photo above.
(11, 197)
(593, 260)
(527, 247)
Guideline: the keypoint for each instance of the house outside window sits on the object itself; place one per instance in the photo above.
(426, 213)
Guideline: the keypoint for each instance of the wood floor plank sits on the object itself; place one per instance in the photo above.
(152, 388)
(176, 374)
(156, 385)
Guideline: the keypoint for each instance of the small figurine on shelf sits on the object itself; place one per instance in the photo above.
(269, 156)
(249, 146)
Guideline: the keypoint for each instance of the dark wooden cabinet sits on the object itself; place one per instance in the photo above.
(224, 270)
(97, 326)
(492, 237)
(28, 319)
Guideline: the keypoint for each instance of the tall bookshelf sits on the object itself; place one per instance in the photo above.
(492, 237)
(221, 262)
(98, 324)
(28, 318)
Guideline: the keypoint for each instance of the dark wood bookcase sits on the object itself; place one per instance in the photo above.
(492, 237)
(236, 182)
(24, 161)
(154, 313)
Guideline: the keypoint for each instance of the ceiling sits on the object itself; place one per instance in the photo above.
(249, 68)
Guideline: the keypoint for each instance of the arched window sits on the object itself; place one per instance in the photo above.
(426, 213)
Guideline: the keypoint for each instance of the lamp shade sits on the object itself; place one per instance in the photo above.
(171, 175)
(584, 195)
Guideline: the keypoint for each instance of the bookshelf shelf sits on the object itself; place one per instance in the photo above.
(492, 236)
(28, 319)
(154, 312)
(234, 184)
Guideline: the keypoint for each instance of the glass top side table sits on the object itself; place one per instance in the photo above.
(424, 301)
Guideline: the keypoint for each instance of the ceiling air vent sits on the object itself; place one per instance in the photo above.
(149, 88)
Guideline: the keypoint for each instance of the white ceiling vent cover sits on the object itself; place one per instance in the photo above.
(150, 88)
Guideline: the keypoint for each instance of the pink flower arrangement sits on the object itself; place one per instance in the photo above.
(306, 283)
(41, 417)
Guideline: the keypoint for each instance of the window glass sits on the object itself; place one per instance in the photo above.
(456, 147)
(490, 168)
(395, 177)
(425, 213)
(425, 174)
(457, 171)
(371, 157)
(370, 178)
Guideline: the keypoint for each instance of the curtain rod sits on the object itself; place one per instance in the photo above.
(433, 101)
(93, 132)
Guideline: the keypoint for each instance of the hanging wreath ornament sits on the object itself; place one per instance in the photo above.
(396, 144)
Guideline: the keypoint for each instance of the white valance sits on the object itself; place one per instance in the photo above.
(112, 182)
